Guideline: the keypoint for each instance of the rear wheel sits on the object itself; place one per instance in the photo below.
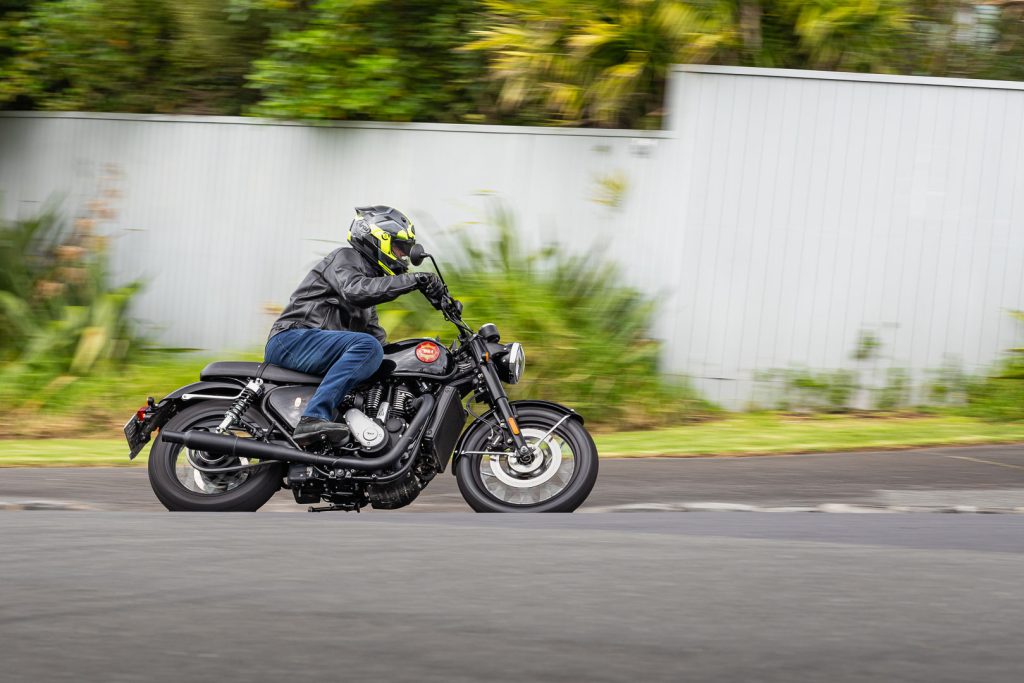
(185, 479)
(557, 476)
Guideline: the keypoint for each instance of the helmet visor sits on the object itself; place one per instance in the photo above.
(401, 248)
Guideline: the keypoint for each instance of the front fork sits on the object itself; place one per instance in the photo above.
(499, 400)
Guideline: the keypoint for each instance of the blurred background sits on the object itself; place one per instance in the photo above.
(717, 227)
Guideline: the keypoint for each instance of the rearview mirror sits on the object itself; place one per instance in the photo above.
(417, 254)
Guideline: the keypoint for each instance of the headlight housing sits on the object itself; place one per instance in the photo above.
(511, 363)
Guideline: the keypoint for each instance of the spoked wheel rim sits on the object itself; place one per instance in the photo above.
(529, 481)
(193, 467)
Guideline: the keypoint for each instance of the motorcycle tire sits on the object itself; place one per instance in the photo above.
(259, 485)
(575, 491)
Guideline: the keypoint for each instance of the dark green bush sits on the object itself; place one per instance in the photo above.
(805, 391)
(1000, 395)
(587, 337)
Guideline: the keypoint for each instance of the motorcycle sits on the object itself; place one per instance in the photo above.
(225, 443)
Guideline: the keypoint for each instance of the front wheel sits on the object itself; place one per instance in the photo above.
(557, 477)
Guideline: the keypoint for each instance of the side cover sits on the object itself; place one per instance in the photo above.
(445, 426)
(288, 402)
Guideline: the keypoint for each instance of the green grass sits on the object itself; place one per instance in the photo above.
(67, 453)
(748, 434)
(767, 433)
(97, 406)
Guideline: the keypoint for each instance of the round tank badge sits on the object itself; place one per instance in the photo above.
(428, 352)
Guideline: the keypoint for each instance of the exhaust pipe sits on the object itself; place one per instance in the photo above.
(221, 444)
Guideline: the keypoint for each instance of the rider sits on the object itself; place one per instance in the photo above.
(330, 326)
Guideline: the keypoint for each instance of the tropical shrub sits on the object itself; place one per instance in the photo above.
(60, 317)
(587, 337)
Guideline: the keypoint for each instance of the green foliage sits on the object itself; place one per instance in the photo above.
(841, 35)
(596, 62)
(59, 316)
(947, 386)
(1000, 395)
(895, 394)
(371, 59)
(128, 55)
(586, 336)
(579, 62)
(997, 397)
(100, 403)
(804, 391)
(868, 346)
(605, 62)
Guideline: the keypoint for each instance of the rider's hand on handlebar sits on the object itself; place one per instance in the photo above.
(430, 285)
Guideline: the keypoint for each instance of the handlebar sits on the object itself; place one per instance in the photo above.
(451, 309)
(449, 306)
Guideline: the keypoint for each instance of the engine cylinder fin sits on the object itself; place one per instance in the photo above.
(373, 397)
(402, 397)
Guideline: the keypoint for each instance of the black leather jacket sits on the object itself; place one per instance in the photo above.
(341, 293)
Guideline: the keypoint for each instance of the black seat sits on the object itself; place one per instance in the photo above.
(241, 370)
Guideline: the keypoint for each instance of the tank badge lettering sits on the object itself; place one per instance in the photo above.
(428, 352)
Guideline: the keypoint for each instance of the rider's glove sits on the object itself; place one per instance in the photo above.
(430, 285)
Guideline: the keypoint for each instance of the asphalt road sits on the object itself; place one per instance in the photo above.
(982, 476)
(114, 596)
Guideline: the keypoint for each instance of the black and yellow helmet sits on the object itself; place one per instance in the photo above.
(384, 236)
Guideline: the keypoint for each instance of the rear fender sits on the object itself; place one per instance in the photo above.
(158, 414)
(485, 421)
(225, 388)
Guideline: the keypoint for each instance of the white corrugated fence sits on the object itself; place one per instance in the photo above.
(781, 214)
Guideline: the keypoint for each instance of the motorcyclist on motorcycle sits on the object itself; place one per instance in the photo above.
(330, 325)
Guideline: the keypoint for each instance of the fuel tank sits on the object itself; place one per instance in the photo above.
(417, 358)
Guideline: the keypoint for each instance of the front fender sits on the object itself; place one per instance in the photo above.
(482, 421)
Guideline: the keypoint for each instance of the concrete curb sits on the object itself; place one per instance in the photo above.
(841, 508)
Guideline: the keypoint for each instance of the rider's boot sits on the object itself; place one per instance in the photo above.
(312, 429)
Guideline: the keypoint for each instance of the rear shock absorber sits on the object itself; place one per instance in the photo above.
(249, 394)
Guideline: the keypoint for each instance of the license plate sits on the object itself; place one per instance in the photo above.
(136, 439)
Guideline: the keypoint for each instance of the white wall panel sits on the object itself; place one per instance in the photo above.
(781, 214)
(819, 205)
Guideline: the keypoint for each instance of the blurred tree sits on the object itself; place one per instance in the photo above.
(128, 55)
(605, 62)
(965, 39)
(579, 62)
(597, 62)
(374, 59)
(841, 35)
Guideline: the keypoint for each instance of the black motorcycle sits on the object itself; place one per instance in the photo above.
(225, 443)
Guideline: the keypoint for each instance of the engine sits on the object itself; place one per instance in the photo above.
(377, 416)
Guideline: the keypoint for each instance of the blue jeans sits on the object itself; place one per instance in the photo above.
(344, 358)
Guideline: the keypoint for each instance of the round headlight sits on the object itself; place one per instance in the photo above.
(516, 360)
